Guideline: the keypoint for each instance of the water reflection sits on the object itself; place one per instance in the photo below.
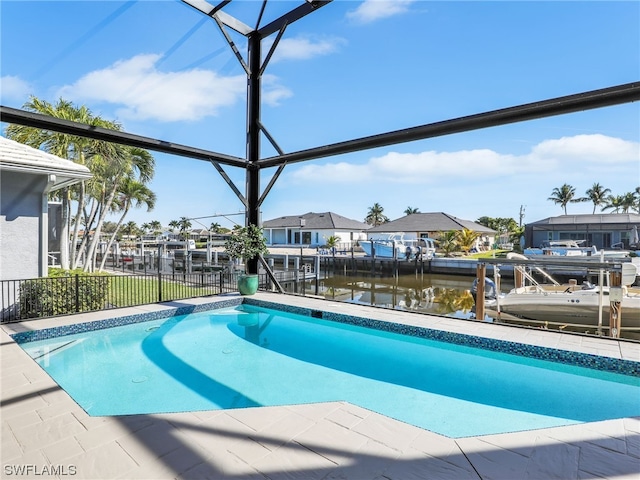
(252, 328)
(435, 294)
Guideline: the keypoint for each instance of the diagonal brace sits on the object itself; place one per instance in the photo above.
(227, 179)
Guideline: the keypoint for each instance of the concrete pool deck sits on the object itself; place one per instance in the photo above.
(45, 434)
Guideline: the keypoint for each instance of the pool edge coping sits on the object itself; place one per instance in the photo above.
(568, 357)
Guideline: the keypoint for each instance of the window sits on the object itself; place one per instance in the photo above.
(573, 236)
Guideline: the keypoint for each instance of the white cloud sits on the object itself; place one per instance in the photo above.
(372, 10)
(304, 48)
(341, 172)
(588, 152)
(595, 148)
(272, 91)
(14, 88)
(147, 93)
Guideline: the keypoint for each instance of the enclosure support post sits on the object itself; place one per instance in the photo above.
(253, 140)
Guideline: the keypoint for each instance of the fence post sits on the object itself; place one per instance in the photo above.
(77, 293)
(159, 286)
(615, 307)
(481, 270)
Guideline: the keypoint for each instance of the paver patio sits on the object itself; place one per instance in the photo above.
(45, 434)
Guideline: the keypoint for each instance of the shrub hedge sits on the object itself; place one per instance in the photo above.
(62, 293)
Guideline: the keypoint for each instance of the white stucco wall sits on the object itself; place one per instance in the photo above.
(280, 236)
(21, 197)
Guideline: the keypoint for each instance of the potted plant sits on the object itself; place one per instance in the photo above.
(246, 243)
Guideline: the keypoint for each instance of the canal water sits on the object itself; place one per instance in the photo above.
(423, 293)
(434, 294)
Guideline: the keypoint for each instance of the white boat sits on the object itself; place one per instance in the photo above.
(394, 245)
(565, 305)
(573, 248)
(570, 303)
(565, 248)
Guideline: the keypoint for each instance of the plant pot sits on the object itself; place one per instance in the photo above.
(247, 284)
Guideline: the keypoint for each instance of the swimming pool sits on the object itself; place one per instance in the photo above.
(248, 355)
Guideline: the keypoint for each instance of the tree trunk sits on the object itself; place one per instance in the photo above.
(104, 209)
(85, 237)
(113, 237)
(64, 233)
(74, 252)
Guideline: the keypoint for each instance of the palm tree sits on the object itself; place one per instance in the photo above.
(563, 195)
(65, 146)
(116, 166)
(174, 225)
(183, 225)
(156, 227)
(332, 244)
(448, 242)
(130, 229)
(132, 194)
(628, 202)
(597, 194)
(411, 211)
(636, 194)
(109, 163)
(466, 238)
(375, 216)
(615, 203)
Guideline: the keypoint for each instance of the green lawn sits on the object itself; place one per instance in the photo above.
(129, 290)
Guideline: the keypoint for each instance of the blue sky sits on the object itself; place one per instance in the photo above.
(350, 69)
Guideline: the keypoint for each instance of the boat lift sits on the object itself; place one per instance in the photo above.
(620, 274)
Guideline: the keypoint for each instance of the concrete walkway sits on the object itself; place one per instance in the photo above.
(45, 434)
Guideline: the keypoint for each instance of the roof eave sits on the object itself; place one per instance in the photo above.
(63, 177)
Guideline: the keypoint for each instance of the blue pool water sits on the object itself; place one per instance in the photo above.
(252, 356)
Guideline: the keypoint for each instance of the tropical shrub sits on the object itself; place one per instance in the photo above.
(63, 292)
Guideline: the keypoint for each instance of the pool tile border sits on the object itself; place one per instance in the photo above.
(595, 362)
(46, 333)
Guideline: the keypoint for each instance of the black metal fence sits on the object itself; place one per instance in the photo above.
(63, 295)
(79, 293)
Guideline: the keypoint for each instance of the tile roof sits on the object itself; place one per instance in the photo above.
(317, 221)
(432, 222)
